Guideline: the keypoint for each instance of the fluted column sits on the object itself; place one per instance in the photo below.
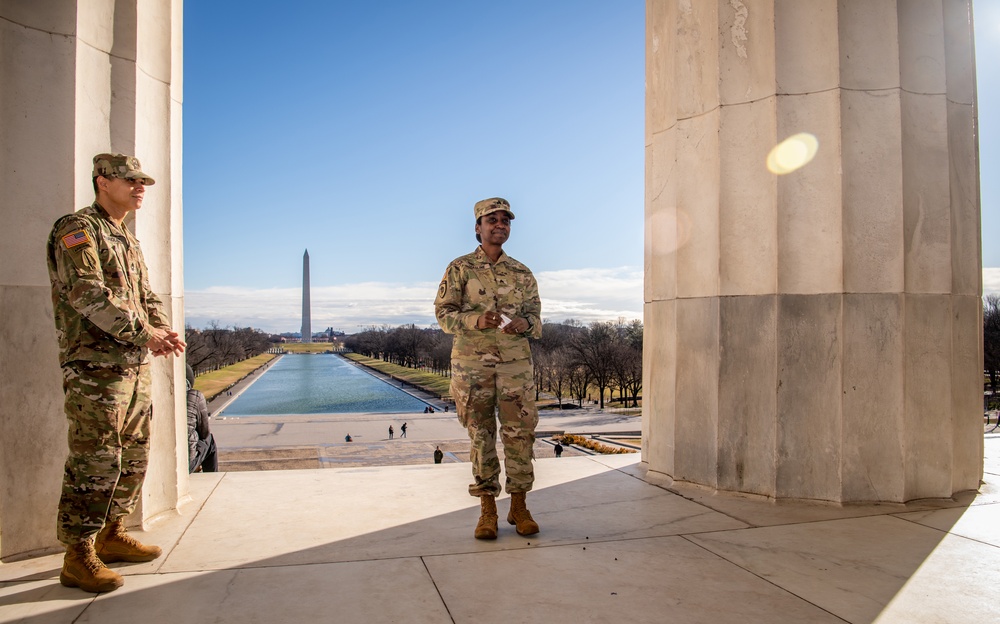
(813, 334)
(80, 78)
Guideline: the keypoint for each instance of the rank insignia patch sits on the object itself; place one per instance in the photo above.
(76, 238)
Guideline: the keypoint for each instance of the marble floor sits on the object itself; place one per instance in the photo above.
(394, 544)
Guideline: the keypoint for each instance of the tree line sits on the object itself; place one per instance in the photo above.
(406, 345)
(570, 358)
(215, 346)
(991, 341)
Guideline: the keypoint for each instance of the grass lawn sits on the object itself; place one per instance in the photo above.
(216, 381)
(431, 382)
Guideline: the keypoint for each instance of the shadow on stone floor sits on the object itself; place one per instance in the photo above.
(613, 548)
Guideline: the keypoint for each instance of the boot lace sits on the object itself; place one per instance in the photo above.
(120, 535)
(88, 557)
(92, 563)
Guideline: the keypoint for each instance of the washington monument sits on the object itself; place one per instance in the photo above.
(306, 315)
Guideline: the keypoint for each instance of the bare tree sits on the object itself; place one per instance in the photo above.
(438, 351)
(217, 346)
(991, 338)
(626, 360)
(559, 373)
(541, 368)
(371, 342)
(578, 380)
(408, 342)
(551, 357)
(198, 352)
(593, 349)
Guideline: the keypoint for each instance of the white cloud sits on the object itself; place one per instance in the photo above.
(991, 280)
(591, 294)
(582, 294)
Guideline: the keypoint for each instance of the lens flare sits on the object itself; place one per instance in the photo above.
(669, 229)
(793, 153)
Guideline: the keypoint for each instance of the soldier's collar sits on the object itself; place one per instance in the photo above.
(483, 258)
(121, 229)
(101, 210)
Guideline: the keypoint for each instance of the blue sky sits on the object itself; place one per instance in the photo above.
(366, 131)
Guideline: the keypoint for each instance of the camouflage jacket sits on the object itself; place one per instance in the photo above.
(103, 306)
(473, 285)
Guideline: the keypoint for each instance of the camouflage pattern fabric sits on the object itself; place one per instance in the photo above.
(120, 166)
(472, 286)
(493, 204)
(101, 299)
(104, 310)
(483, 390)
(109, 409)
(491, 371)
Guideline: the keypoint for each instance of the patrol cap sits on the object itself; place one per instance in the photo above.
(493, 204)
(120, 166)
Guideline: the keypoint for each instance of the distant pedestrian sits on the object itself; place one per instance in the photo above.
(391, 431)
(348, 438)
(438, 455)
(559, 449)
(403, 431)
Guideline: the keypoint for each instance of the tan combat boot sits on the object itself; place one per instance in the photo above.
(113, 543)
(82, 568)
(486, 528)
(520, 516)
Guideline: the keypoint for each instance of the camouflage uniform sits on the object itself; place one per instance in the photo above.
(491, 370)
(104, 310)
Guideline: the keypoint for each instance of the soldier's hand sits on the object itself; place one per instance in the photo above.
(518, 325)
(488, 320)
(165, 342)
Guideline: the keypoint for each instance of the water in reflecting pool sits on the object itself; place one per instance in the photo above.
(319, 384)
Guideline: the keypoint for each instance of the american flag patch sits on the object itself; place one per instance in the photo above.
(73, 239)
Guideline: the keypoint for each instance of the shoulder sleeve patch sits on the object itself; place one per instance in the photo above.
(75, 239)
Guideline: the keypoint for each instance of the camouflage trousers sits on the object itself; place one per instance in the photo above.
(483, 391)
(108, 408)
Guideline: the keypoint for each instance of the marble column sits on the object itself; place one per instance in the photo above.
(79, 78)
(815, 334)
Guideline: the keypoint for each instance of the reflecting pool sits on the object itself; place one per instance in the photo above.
(319, 384)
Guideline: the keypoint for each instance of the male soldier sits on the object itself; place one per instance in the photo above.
(490, 302)
(108, 321)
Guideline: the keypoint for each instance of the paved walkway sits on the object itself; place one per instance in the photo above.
(394, 544)
(318, 441)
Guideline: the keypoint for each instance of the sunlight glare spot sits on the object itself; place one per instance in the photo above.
(793, 153)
